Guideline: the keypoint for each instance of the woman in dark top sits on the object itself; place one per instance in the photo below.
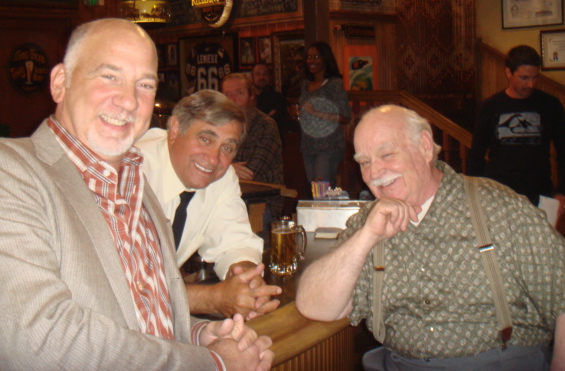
(324, 106)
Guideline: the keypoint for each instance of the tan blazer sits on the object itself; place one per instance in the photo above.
(65, 302)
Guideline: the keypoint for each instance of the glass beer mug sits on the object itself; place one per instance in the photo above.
(284, 247)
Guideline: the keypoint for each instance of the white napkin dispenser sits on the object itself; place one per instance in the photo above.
(321, 213)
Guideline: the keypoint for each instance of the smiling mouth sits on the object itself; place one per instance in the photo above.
(202, 168)
(115, 121)
(384, 182)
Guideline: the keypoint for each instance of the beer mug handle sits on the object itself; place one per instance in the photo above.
(301, 252)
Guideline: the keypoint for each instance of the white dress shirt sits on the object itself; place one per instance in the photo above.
(217, 224)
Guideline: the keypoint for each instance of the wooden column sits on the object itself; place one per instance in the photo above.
(316, 21)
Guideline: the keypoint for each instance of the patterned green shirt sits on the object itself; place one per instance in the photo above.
(437, 299)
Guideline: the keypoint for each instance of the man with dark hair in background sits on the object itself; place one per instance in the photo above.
(514, 129)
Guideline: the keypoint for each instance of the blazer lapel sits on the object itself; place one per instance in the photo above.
(72, 185)
(175, 283)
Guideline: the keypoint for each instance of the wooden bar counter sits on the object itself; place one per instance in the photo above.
(299, 343)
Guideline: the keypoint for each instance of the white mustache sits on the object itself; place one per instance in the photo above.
(385, 180)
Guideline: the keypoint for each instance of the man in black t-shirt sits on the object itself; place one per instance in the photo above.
(515, 128)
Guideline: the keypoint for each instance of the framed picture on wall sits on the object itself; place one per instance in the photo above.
(531, 13)
(552, 46)
(265, 49)
(360, 67)
(246, 51)
(172, 55)
(205, 60)
(289, 62)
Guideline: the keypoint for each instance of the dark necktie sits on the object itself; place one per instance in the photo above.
(180, 216)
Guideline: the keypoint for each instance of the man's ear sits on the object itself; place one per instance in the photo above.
(174, 130)
(58, 81)
(508, 73)
(427, 145)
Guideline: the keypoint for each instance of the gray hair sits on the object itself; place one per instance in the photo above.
(209, 106)
(414, 123)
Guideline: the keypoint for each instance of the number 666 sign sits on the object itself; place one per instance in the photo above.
(204, 61)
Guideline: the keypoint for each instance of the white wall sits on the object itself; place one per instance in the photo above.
(489, 29)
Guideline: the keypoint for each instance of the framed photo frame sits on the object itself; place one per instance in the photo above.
(552, 46)
(289, 63)
(531, 13)
(205, 60)
(247, 51)
(360, 67)
(172, 55)
(264, 46)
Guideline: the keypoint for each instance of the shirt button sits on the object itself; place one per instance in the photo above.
(427, 301)
(423, 269)
(106, 172)
(140, 285)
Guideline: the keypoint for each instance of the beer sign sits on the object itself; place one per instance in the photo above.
(28, 69)
(215, 12)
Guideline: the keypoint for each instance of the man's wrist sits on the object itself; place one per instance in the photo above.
(196, 330)
(204, 299)
(245, 264)
(220, 365)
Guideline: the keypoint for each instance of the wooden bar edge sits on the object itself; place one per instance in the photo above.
(292, 333)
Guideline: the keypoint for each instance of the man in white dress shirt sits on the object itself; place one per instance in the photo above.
(194, 155)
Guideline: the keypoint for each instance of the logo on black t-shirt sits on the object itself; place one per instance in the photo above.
(519, 128)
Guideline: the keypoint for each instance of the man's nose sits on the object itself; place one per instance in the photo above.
(126, 97)
(376, 169)
(213, 155)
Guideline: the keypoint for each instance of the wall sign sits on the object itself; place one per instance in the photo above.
(184, 12)
(215, 13)
(28, 69)
(359, 32)
(363, 1)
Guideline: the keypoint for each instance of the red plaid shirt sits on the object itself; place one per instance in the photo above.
(133, 230)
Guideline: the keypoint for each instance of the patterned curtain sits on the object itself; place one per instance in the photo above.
(436, 55)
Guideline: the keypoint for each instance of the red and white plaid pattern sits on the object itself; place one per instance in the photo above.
(133, 230)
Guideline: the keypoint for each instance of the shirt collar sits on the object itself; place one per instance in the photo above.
(173, 186)
(82, 156)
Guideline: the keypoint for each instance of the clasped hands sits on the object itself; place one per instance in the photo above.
(244, 291)
(239, 346)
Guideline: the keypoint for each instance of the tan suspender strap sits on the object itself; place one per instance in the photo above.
(378, 277)
(490, 263)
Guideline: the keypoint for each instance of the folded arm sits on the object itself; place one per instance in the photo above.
(326, 286)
